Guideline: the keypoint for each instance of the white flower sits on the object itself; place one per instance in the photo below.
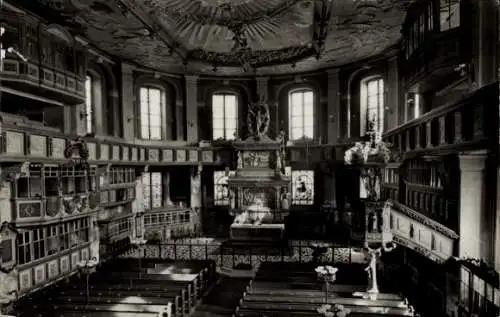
(329, 314)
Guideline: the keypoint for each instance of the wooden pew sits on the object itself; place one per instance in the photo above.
(181, 301)
(306, 307)
(320, 300)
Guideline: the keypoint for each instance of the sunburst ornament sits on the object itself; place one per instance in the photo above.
(221, 3)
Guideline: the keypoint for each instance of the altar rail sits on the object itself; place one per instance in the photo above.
(232, 257)
(465, 125)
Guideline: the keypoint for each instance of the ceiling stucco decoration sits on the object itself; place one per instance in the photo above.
(229, 36)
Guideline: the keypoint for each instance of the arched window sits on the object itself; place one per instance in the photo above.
(301, 114)
(89, 103)
(372, 105)
(224, 116)
(152, 103)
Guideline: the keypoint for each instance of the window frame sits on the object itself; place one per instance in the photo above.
(302, 202)
(302, 91)
(364, 102)
(224, 117)
(162, 114)
(62, 231)
(90, 103)
(148, 187)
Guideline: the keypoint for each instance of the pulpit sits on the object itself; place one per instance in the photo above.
(259, 189)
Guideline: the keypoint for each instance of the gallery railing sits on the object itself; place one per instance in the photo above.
(232, 257)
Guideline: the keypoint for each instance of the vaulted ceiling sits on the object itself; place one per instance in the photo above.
(235, 36)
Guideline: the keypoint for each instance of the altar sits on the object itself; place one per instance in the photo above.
(260, 190)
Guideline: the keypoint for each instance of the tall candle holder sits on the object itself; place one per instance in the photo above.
(139, 243)
(327, 274)
(87, 267)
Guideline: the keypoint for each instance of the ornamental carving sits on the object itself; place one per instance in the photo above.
(258, 120)
(10, 173)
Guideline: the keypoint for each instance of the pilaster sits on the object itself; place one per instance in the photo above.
(474, 237)
(393, 99)
(496, 245)
(128, 101)
(485, 37)
(192, 108)
(263, 88)
(333, 111)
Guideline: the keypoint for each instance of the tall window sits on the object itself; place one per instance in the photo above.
(224, 116)
(303, 187)
(301, 114)
(372, 105)
(449, 14)
(151, 104)
(153, 190)
(89, 104)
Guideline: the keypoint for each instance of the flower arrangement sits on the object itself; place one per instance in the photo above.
(326, 272)
(336, 311)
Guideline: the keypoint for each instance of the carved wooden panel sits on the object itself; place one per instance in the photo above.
(207, 156)
(104, 152)
(133, 154)
(125, 153)
(193, 155)
(168, 155)
(53, 269)
(25, 279)
(116, 152)
(142, 154)
(58, 146)
(180, 155)
(75, 258)
(40, 274)
(38, 145)
(15, 143)
(64, 264)
(154, 155)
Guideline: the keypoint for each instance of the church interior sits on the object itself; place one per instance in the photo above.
(249, 158)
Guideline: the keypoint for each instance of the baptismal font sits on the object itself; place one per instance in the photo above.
(260, 191)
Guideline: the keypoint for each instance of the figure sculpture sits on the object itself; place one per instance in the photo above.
(371, 269)
(254, 214)
(258, 120)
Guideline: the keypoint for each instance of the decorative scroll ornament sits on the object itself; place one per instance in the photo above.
(9, 173)
(258, 120)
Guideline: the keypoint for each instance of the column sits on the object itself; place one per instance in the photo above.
(196, 199)
(496, 242)
(115, 106)
(485, 40)
(393, 101)
(474, 235)
(128, 122)
(333, 112)
(98, 115)
(166, 189)
(72, 122)
(192, 109)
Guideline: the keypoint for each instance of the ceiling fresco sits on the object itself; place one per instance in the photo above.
(235, 36)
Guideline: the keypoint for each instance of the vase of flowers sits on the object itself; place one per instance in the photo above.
(326, 274)
(336, 310)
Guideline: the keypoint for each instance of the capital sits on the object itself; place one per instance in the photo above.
(191, 79)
